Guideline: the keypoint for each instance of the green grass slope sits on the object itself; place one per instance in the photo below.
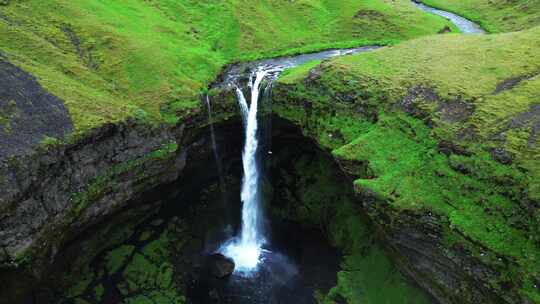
(447, 125)
(495, 15)
(115, 59)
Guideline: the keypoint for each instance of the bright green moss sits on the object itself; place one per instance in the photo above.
(109, 61)
(117, 258)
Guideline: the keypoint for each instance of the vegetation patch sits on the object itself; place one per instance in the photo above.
(135, 269)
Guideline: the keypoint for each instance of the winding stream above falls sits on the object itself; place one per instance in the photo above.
(466, 26)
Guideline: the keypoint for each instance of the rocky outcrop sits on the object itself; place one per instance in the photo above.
(28, 113)
(57, 188)
(50, 196)
(449, 273)
(220, 266)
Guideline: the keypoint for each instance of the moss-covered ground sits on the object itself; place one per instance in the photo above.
(443, 124)
(131, 264)
(150, 59)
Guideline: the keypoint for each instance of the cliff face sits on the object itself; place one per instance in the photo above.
(52, 195)
(418, 239)
(442, 158)
(51, 190)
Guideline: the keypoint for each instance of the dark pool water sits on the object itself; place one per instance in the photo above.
(299, 264)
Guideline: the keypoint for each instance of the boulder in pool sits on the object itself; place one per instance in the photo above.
(220, 266)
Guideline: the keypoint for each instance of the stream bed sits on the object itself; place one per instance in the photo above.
(466, 26)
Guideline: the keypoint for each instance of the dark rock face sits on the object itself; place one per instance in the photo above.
(42, 195)
(444, 30)
(220, 266)
(510, 83)
(448, 274)
(502, 156)
(448, 148)
(455, 111)
(368, 14)
(420, 93)
(451, 111)
(28, 113)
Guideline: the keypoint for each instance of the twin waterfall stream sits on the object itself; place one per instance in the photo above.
(246, 250)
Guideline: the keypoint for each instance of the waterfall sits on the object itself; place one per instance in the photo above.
(215, 150)
(247, 249)
(212, 134)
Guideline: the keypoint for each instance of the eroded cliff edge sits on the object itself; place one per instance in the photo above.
(442, 148)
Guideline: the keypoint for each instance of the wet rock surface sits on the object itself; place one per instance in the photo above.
(220, 266)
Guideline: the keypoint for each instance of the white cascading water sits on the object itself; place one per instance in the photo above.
(211, 123)
(247, 249)
(215, 150)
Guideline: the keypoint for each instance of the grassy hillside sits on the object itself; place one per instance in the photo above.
(445, 124)
(495, 15)
(112, 59)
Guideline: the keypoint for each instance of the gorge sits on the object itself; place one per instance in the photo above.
(404, 170)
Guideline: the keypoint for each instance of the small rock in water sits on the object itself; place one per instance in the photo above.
(220, 266)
